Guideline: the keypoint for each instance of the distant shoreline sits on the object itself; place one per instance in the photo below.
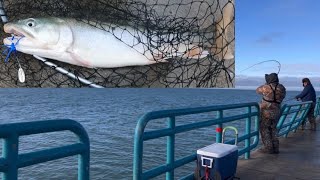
(289, 88)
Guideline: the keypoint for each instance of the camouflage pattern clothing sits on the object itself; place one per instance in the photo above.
(270, 108)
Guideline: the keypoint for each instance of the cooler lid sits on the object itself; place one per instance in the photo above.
(217, 150)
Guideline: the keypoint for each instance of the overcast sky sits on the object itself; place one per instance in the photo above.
(285, 30)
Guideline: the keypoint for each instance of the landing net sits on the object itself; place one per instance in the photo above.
(167, 24)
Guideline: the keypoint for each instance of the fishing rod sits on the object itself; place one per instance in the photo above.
(279, 65)
(3, 15)
(67, 73)
(289, 100)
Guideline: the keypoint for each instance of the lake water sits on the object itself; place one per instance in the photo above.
(110, 117)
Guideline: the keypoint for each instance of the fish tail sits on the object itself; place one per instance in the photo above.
(223, 48)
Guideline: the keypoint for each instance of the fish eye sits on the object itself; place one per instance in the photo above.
(31, 23)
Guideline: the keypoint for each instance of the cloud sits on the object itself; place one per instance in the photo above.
(300, 70)
(269, 38)
(287, 8)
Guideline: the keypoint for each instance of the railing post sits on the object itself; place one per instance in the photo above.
(219, 127)
(12, 160)
(257, 120)
(292, 121)
(283, 115)
(304, 112)
(317, 108)
(172, 129)
(84, 164)
(138, 151)
(10, 153)
(248, 130)
(170, 148)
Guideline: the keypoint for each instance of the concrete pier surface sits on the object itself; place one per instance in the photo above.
(299, 158)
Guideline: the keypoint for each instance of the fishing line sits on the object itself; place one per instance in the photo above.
(279, 66)
(289, 100)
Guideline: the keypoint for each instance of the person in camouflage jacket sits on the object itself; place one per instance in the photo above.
(270, 108)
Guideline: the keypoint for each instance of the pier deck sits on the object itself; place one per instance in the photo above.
(299, 158)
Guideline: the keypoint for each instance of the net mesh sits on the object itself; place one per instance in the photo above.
(170, 28)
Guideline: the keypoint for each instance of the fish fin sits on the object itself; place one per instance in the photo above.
(159, 58)
(162, 60)
(78, 60)
(195, 52)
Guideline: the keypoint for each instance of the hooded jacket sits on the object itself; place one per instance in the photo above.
(308, 94)
(273, 94)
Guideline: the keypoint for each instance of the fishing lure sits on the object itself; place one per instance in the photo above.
(12, 49)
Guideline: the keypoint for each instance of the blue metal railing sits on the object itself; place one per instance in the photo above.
(317, 108)
(11, 160)
(173, 129)
(292, 115)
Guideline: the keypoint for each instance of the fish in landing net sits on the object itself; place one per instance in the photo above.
(78, 43)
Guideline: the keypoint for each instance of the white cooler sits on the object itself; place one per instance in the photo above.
(219, 159)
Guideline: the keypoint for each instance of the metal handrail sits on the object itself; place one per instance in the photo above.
(296, 113)
(173, 129)
(11, 160)
(292, 115)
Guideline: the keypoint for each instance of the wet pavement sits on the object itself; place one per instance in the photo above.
(299, 158)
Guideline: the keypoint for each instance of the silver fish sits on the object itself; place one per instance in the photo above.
(81, 44)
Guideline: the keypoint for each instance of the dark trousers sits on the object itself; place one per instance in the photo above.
(310, 115)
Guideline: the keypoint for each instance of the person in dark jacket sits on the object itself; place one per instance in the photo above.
(308, 94)
(270, 108)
